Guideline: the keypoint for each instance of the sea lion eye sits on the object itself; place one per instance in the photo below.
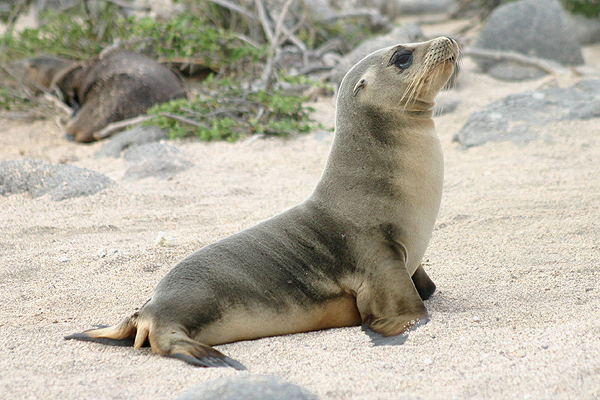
(402, 59)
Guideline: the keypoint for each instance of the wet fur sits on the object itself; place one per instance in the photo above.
(348, 255)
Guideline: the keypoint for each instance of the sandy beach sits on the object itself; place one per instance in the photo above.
(515, 256)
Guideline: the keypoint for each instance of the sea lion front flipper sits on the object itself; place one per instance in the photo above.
(380, 340)
(389, 304)
(423, 283)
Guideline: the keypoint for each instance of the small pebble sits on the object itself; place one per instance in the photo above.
(476, 319)
(164, 240)
(101, 253)
(428, 361)
(63, 259)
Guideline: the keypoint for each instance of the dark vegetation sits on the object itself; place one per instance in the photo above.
(482, 8)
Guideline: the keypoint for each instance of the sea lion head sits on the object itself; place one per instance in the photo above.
(403, 78)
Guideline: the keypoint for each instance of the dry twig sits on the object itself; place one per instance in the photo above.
(117, 126)
(539, 63)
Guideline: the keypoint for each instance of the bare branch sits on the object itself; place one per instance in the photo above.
(130, 5)
(117, 126)
(234, 7)
(279, 24)
(262, 15)
(539, 63)
(184, 120)
(56, 102)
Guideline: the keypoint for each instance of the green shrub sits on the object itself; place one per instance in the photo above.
(587, 8)
(226, 111)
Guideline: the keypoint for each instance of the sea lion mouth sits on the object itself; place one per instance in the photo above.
(442, 54)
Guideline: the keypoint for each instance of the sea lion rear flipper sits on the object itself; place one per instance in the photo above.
(167, 341)
(209, 361)
(389, 304)
(198, 354)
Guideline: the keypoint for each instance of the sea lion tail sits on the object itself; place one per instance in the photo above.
(135, 331)
(125, 333)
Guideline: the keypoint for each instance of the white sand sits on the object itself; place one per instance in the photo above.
(515, 256)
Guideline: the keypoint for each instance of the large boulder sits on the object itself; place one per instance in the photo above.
(158, 160)
(247, 387)
(511, 118)
(61, 181)
(535, 28)
(133, 137)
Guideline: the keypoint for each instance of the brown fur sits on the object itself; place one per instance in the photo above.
(114, 87)
(40, 71)
(350, 254)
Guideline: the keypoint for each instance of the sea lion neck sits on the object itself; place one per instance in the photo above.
(358, 124)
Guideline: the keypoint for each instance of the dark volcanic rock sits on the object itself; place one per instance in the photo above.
(136, 136)
(61, 181)
(145, 157)
(247, 387)
(510, 118)
(157, 160)
(536, 28)
(509, 71)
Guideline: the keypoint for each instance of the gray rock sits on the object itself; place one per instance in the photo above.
(157, 160)
(536, 28)
(511, 117)
(407, 33)
(511, 71)
(586, 30)
(319, 9)
(414, 7)
(144, 156)
(136, 136)
(398, 8)
(247, 387)
(61, 181)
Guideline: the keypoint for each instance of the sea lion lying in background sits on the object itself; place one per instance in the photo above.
(112, 87)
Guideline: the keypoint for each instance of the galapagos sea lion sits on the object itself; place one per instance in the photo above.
(40, 71)
(113, 87)
(348, 255)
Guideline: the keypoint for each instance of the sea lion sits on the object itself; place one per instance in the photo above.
(348, 255)
(40, 71)
(113, 87)
(104, 89)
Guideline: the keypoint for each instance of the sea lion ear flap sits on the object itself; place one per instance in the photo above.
(361, 84)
